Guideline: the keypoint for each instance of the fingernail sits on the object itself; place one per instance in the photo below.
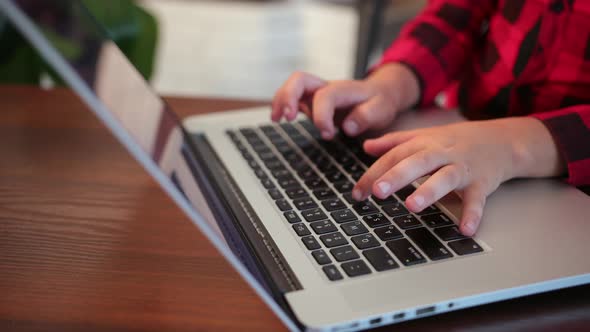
(419, 200)
(286, 111)
(384, 187)
(351, 127)
(357, 194)
(470, 226)
(294, 113)
(326, 134)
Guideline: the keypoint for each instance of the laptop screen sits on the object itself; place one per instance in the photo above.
(78, 48)
(71, 30)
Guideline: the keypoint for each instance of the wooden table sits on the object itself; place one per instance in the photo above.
(88, 242)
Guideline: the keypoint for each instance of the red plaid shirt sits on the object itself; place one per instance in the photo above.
(497, 58)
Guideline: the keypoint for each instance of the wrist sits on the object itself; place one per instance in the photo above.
(534, 152)
(396, 82)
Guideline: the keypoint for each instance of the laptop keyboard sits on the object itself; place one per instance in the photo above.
(310, 180)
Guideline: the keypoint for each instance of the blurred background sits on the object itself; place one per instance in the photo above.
(233, 48)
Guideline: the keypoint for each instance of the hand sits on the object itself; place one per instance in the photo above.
(359, 105)
(473, 157)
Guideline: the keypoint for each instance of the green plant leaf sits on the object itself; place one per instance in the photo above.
(132, 28)
(142, 50)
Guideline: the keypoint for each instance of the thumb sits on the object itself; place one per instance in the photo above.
(474, 200)
(372, 114)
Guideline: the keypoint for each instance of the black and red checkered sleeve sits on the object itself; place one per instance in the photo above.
(570, 128)
(437, 43)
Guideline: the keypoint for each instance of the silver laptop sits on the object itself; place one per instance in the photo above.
(274, 199)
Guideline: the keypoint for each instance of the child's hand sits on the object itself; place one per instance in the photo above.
(359, 105)
(474, 157)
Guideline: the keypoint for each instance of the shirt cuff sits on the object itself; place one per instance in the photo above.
(432, 78)
(572, 136)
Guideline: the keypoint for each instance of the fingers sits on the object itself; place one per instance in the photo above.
(407, 170)
(286, 100)
(363, 187)
(474, 200)
(442, 182)
(336, 95)
(378, 146)
(370, 114)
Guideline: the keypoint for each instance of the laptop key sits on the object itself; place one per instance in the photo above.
(304, 203)
(355, 268)
(357, 175)
(310, 242)
(253, 164)
(301, 229)
(405, 222)
(405, 252)
(429, 244)
(248, 157)
(296, 162)
(348, 197)
(321, 257)
(292, 217)
(344, 159)
(344, 253)
(343, 216)
(286, 150)
(311, 129)
(465, 247)
(323, 193)
(323, 227)
(267, 183)
(335, 176)
(283, 204)
(354, 228)
(266, 155)
(365, 241)
(317, 157)
(429, 210)
(262, 150)
(296, 192)
(364, 208)
(274, 164)
(288, 182)
(388, 233)
(395, 209)
(268, 130)
(315, 183)
(310, 151)
(313, 215)
(376, 220)
(436, 220)
(280, 173)
(326, 166)
(333, 240)
(333, 204)
(388, 200)
(306, 173)
(354, 168)
(275, 193)
(449, 233)
(261, 174)
(380, 259)
(343, 186)
(405, 192)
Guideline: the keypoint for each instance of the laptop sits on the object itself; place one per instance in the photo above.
(274, 199)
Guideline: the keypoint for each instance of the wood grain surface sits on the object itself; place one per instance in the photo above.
(88, 242)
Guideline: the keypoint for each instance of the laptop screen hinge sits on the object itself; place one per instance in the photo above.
(233, 212)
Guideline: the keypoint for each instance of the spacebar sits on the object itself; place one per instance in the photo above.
(428, 243)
